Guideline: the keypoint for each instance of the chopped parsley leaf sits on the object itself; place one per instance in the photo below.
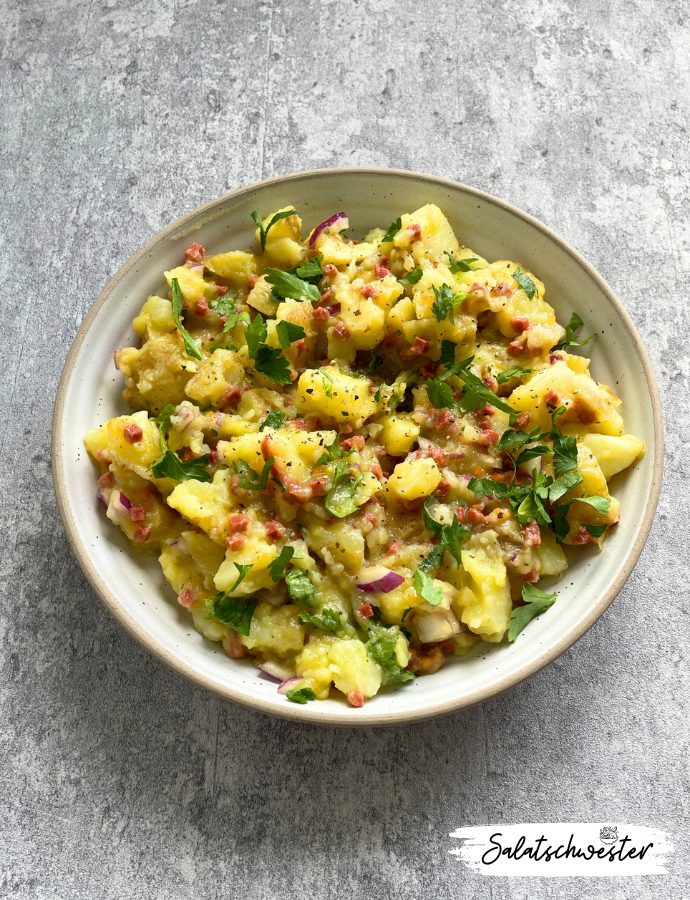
(411, 277)
(300, 587)
(512, 372)
(263, 232)
(459, 265)
(301, 695)
(327, 619)
(277, 568)
(275, 419)
(288, 333)
(571, 329)
(380, 646)
(536, 602)
(236, 612)
(525, 282)
(287, 286)
(190, 345)
(393, 229)
(425, 587)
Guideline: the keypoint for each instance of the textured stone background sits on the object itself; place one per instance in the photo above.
(119, 779)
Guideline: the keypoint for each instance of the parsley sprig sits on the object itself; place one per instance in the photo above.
(259, 222)
(380, 646)
(288, 286)
(573, 326)
(525, 282)
(327, 619)
(169, 465)
(236, 612)
(393, 229)
(474, 392)
(460, 265)
(445, 303)
(536, 602)
(190, 345)
(267, 360)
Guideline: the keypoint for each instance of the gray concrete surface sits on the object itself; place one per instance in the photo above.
(120, 780)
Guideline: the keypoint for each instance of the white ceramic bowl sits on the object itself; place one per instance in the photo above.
(134, 589)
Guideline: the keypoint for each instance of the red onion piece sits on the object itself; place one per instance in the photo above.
(554, 359)
(124, 500)
(466, 477)
(379, 578)
(103, 499)
(334, 309)
(331, 220)
(290, 683)
(275, 671)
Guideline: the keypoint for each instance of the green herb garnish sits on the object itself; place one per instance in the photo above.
(190, 345)
(536, 602)
(263, 232)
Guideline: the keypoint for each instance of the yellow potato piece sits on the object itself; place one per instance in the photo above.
(414, 478)
(614, 453)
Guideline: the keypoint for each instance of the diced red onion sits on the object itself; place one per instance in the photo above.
(334, 309)
(424, 444)
(460, 455)
(275, 671)
(437, 626)
(554, 359)
(466, 477)
(103, 499)
(289, 684)
(378, 578)
(125, 501)
(120, 503)
(339, 218)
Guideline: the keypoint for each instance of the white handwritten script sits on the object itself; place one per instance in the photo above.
(563, 849)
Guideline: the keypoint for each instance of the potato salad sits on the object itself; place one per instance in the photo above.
(355, 458)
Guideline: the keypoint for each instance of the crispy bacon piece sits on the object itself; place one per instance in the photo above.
(426, 661)
(533, 533)
(186, 598)
(474, 517)
(356, 699)
(195, 253)
(393, 549)
(107, 480)
(221, 288)
(235, 541)
(357, 443)
(133, 433)
(187, 454)
(491, 383)
(439, 456)
(368, 516)
(341, 332)
(326, 296)
(330, 270)
(427, 371)
(388, 339)
(487, 410)
(515, 348)
(442, 489)
(552, 397)
(380, 271)
(503, 288)
(231, 396)
(366, 610)
(251, 280)
(137, 514)
(416, 229)
(488, 437)
(582, 536)
(319, 486)
(384, 260)
(274, 530)
(460, 512)
(201, 306)
(320, 314)
(238, 522)
(300, 346)
(141, 535)
(523, 419)
(234, 646)
(519, 324)
(418, 348)
(298, 425)
(531, 577)
(377, 470)
(369, 291)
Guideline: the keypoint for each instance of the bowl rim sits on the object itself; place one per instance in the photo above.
(311, 714)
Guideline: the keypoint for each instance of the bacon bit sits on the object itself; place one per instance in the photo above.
(427, 371)
(532, 576)
(484, 424)
(487, 410)
(389, 339)
(366, 610)
(380, 271)
(186, 598)
(416, 229)
(341, 332)
(533, 533)
(274, 530)
(384, 260)
(320, 314)
(347, 429)
(213, 457)
(234, 646)
(330, 270)
(552, 397)
(491, 383)
(221, 288)
(377, 470)
(231, 396)
(201, 306)
(369, 517)
(488, 438)
(326, 296)
(418, 348)
(187, 454)
(298, 425)
(523, 419)
(356, 699)
(443, 420)
(474, 516)
(195, 253)
(411, 505)
(142, 533)
(235, 541)
(354, 443)
(137, 514)
(393, 549)
(442, 489)
(312, 423)
(302, 493)
(223, 319)
(252, 279)
(439, 456)
(515, 348)
(300, 346)
(107, 480)
(319, 486)
(502, 288)
(238, 522)
(369, 291)
(460, 512)
(582, 536)
(446, 647)
(266, 446)
(519, 324)
(477, 287)
(584, 414)
(426, 661)
(133, 434)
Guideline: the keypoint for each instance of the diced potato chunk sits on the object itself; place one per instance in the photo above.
(614, 453)
(437, 234)
(138, 456)
(234, 266)
(399, 434)
(552, 559)
(338, 544)
(276, 630)
(352, 668)
(414, 478)
(255, 552)
(154, 319)
(341, 397)
(191, 283)
(215, 375)
(485, 605)
(260, 297)
(207, 505)
(283, 240)
(313, 664)
(157, 373)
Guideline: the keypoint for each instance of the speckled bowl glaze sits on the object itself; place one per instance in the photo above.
(134, 589)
